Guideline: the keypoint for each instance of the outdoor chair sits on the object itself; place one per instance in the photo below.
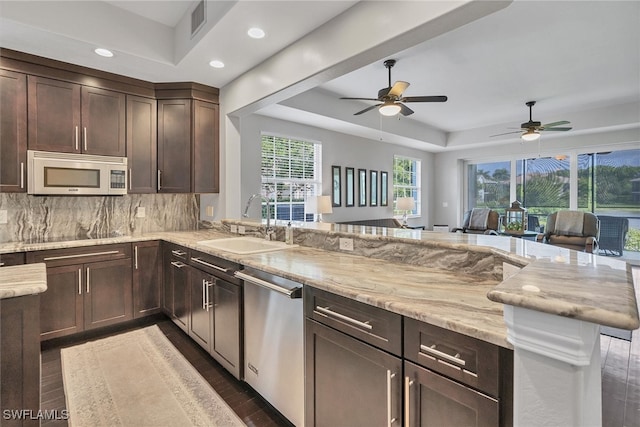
(613, 234)
(572, 230)
(480, 221)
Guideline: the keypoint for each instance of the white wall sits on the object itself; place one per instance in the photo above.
(449, 166)
(337, 149)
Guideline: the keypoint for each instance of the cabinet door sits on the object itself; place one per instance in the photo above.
(174, 146)
(226, 325)
(103, 122)
(61, 309)
(13, 131)
(147, 278)
(108, 293)
(201, 319)
(54, 115)
(141, 144)
(349, 382)
(434, 400)
(167, 281)
(206, 155)
(181, 295)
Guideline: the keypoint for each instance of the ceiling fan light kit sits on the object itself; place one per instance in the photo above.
(530, 135)
(391, 99)
(530, 131)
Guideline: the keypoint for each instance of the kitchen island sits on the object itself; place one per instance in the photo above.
(444, 279)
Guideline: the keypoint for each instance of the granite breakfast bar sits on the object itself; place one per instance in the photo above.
(444, 279)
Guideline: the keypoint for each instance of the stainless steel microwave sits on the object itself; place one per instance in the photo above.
(75, 174)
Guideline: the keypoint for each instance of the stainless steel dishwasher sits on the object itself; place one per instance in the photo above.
(274, 334)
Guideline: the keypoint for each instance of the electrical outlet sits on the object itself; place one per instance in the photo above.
(346, 244)
(233, 228)
(445, 204)
(209, 210)
(3, 216)
(141, 212)
(241, 229)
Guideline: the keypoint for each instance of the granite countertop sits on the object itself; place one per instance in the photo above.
(20, 280)
(546, 278)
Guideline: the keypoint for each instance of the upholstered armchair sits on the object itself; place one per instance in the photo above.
(572, 230)
(480, 221)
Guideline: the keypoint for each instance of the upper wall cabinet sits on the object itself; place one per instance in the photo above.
(141, 144)
(13, 131)
(71, 118)
(188, 138)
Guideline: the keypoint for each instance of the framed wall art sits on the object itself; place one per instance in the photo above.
(350, 186)
(336, 195)
(384, 188)
(362, 187)
(373, 188)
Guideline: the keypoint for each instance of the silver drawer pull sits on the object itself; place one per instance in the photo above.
(329, 312)
(51, 258)
(178, 253)
(408, 382)
(178, 264)
(199, 261)
(437, 353)
(1, 264)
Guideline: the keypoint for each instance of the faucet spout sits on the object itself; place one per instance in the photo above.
(268, 230)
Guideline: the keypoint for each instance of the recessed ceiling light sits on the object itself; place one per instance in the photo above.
(104, 52)
(256, 33)
(216, 64)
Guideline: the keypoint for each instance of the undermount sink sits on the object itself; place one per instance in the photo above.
(245, 245)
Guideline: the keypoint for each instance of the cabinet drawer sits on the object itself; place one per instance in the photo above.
(16, 258)
(214, 265)
(70, 256)
(471, 361)
(370, 324)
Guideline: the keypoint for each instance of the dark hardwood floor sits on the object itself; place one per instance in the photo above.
(244, 401)
(620, 377)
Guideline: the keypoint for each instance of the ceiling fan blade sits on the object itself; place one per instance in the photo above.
(424, 99)
(404, 110)
(398, 88)
(561, 122)
(367, 109)
(362, 99)
(555, 129)
(506, 133)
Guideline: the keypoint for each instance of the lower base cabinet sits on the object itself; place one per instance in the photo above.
(147, 278)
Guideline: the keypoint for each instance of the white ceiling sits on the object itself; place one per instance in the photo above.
(579, 59)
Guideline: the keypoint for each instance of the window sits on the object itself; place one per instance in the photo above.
(291, 173)
(543, 184)
(406, 182)
(488, 185)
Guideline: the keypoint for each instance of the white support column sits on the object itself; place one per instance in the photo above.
(557, 378)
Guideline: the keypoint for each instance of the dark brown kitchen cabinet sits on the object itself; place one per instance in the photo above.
(71, 118)
(147, 278)
(349, 382)
(20, 355)
(87, 288)
(176, 286)
(142, 141)
(201, 308)
(205, 162)
(226, 343)
(435, 400)
(14, 258)
(13, 131)
(174, 146)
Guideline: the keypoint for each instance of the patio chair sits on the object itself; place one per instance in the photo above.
(575, 230)
(613, 234)
(480, 221)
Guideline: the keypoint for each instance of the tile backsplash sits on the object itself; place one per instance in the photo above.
(44, 218)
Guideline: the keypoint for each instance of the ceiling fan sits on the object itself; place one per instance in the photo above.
(531, 130)
(391, 99)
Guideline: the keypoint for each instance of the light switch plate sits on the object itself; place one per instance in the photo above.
(241, 229)
(346, 244)
(233, 228)
(141, 212)
(3, 216)
(209, 210)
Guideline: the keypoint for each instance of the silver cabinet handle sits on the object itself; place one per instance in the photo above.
(204, 299)
(79, 281)
(21, 174)
(208, 294)
(159, 178)
(178, 253)
(84, 138)
(199, 261)
(88, 280)
(291, 293)
(77, 138)
(51, 258)
(1, 264)
(135, 256)
(130, 185)
(408, 382)
(327, 311)
(442, 355)
(178, 264)
(390, 419)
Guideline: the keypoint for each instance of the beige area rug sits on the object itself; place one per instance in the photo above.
(138, 379)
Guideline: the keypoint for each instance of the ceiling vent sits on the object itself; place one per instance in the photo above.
(197, 18)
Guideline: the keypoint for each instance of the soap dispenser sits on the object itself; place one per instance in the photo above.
(288, 234)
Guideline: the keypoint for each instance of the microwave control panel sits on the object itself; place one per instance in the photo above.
(118, 179)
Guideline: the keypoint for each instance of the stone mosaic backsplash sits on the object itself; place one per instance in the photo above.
(48, 218)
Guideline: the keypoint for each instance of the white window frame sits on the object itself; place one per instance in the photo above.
(417, 188)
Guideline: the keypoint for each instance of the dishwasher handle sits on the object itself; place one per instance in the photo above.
(292, 293)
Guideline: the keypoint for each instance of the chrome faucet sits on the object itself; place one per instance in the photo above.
(268, 232)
